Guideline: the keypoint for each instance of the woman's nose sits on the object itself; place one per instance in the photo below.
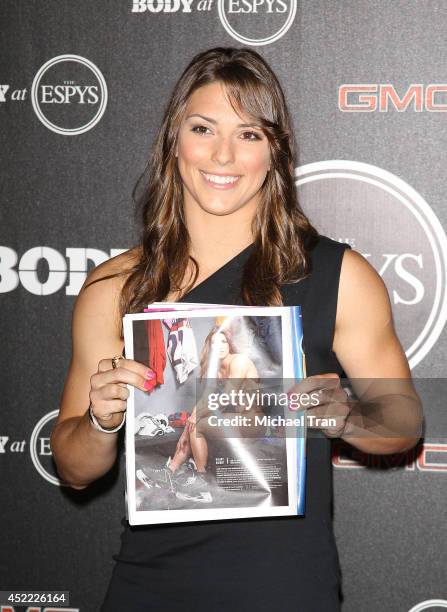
(223, 152)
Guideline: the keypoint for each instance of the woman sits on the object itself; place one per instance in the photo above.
(230, 364)
(221, 223)
(219, 360)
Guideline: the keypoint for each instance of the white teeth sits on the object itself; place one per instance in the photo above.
(221, 180)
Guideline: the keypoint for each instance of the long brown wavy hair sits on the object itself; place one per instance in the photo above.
(204, 355)
(282, 234)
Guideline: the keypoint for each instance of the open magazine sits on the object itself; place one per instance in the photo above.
(216, 435)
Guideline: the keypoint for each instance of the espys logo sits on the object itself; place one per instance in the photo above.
(369, 97)
(69, 94)
(40, 450)
(391, 225)
(250, 22)
(268, 20)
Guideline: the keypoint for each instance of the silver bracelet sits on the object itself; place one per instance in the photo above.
(97, 426)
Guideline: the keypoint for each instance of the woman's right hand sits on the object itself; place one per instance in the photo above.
(108, 391)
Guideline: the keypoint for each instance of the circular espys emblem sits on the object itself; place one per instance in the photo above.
(254, 22)
(69, 95)
(391, 224)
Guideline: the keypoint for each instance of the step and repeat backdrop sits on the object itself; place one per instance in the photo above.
(82, 89)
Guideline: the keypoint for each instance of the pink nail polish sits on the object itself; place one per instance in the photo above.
(150, 374)
(149, 385)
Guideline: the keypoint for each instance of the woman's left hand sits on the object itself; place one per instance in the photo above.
(332, 410)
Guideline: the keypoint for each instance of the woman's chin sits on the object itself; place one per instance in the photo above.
(221, 208)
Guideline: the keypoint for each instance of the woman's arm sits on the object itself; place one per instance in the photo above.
(389, 416)
(82, 453)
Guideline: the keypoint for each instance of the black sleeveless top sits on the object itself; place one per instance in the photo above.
(249, 565)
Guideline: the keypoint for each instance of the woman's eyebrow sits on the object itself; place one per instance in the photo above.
(244, 125)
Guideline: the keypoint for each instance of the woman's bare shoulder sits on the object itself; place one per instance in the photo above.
(99, 295)
(119, 263)
(363, 302)
(359, 280)
(116, 269)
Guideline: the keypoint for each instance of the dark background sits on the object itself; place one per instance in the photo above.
(61, 191)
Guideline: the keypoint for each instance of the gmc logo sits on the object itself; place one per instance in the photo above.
(428, 457)
(367, 98)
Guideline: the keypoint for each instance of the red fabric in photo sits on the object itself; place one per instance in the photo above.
(157, 351)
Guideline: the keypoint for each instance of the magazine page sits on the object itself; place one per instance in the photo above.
(299, 373)
(202, 444)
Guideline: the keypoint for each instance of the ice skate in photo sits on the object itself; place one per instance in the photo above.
(142, 477)
(152, 425)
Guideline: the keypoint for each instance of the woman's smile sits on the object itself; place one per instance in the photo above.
(219, 181)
